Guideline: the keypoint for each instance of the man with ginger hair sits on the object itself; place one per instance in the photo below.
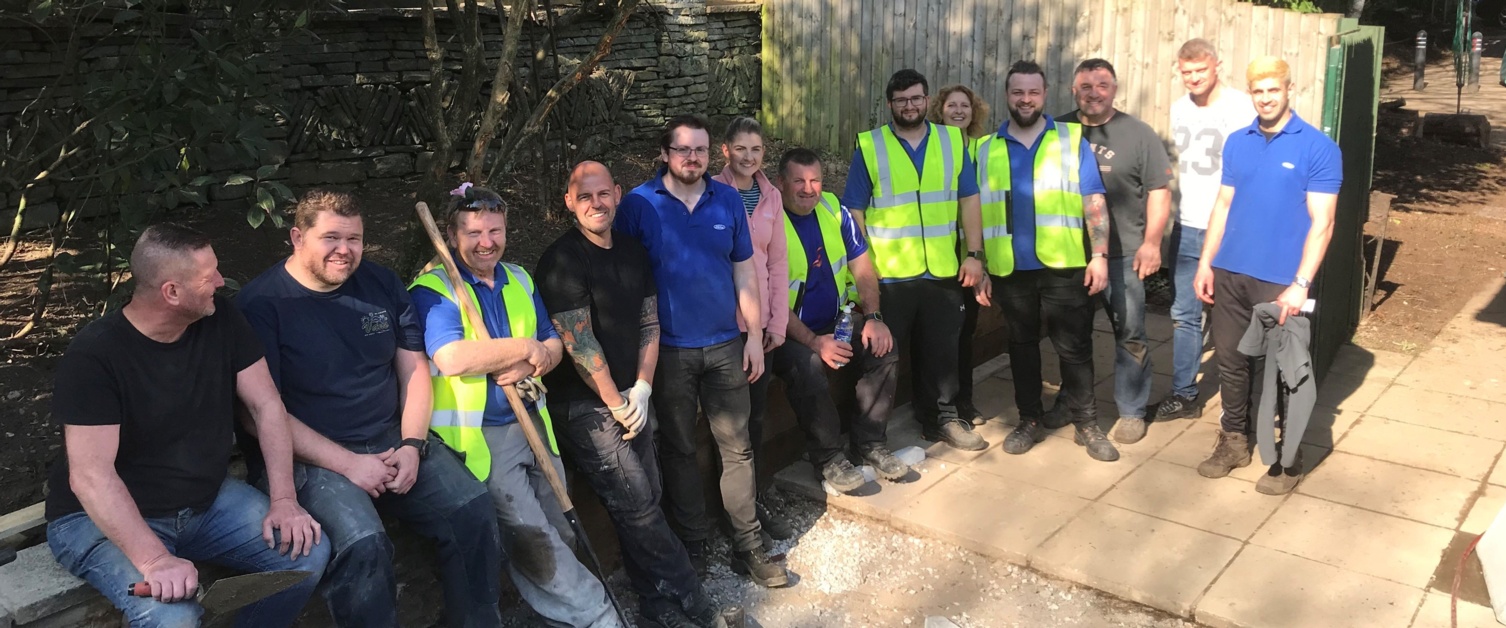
(1270, 227)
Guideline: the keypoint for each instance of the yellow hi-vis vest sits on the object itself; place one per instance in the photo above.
(912, 219)
(459, 400)
(829, 217)
(1058, 200)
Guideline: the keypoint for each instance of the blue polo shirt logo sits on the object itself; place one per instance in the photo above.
(719, 227)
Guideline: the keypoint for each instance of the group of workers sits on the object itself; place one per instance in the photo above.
(356, 397)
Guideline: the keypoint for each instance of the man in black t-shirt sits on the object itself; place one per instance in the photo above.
(346, 351)
(599, 286)
(1137, 173)
(146, 396)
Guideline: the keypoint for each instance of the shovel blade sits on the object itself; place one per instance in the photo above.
(228, 595)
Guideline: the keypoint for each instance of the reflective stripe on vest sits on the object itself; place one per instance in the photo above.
(459, 401)
(1059, 224)
(829, 217)
(912, 217)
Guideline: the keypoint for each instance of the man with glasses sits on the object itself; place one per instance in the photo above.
(909, 184)
(696, 234)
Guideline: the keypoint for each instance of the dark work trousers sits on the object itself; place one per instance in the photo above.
(928, 314)
(711, 378)
(1057, 297)
(625, 475)
(965, 346)
(1234, 299)
(758, 407)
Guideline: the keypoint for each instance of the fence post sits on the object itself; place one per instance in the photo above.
(1474, 63)
(1420, 62)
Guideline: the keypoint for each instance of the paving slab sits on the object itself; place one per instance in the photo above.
(1196, 443)
(1498, 474)
(1441, 371)
(1356, 540)
(1159, 327)
(1484, 510)
(1137, 557)
(989, 514)
(35, 586)
(1059, 465)
(1265, 588)
(1442, 411)
(1355, 361)
(878, 499)
(1350, 392)
(1423, 447)
(1177, 493)
(902, 434)
(1435, 613)
(1327, 425)
(1425, 496)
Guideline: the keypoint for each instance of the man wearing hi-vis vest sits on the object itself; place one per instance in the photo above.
(830, 267)
(1043, 209)
(910, 184)
(473, 417)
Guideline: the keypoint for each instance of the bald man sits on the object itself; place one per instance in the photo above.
(598, 285)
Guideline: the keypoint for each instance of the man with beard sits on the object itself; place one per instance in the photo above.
(600, 286)
(1267, 236)
(696, 235)
(1135, 171)
(472, 414)
(1042, 200)
(909, 184)
(345, 348)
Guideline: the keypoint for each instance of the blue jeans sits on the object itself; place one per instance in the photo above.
(625, 475)
(446, 504)
(1186, 310)
(228, 534)
(1125, 296)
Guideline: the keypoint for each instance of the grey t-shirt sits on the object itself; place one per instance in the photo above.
(1133, 162)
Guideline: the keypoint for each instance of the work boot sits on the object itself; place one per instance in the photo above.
(1178, 407)
(1099, 447)
(755, 564)
(1057, 417)
(1024, 436)
(1231, 452)
(968, 412)
(697, 552)
(841, 475)
(773, 526)
(884, 463)
(1281, 480)
(1128, 430)
(673, 618)
(957, 433)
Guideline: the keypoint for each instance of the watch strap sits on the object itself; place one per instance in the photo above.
(417, 443)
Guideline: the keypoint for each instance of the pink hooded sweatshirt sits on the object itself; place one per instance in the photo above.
(766, 226)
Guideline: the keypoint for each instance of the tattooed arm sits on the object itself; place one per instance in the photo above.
(585, 351)
(1096, 210)
(648, 338)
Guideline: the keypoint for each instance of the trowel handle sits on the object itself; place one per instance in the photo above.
(140, 589)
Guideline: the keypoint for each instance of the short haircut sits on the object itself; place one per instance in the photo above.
(1268, 67)
(800, 156)
(903, 80)
(473, 199)
(1197, 49)
(1090, 65)
(977, 127)
(739, 126)
(1025, 67)
(319, 200)
(162, 252)
(693, 121)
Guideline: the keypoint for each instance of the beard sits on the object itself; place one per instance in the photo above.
(687, 174)
(910, 123)
(1014, 115)
(329, 275)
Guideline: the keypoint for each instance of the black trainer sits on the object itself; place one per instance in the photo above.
(885, 464)
(755, 564)
(1178, 407)
(968, 412)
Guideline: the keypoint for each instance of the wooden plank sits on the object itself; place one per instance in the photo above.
(768, 111)
(23, 521)
(1312, 109)
(833, 65)
(1236, 15)
(851, 29)
(990, 69)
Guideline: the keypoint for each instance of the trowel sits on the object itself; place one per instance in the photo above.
(228, 595)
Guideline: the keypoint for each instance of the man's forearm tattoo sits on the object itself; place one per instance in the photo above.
(574, 328)
(648, 322)
(1098, 222)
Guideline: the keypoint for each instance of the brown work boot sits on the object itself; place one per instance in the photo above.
(1281, 480)
(1231, 452)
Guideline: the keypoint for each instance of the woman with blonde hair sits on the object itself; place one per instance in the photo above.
(958, 106)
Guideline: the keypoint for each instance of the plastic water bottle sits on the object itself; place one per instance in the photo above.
(843, 332)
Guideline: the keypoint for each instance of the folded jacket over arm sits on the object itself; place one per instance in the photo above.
(1285, 348)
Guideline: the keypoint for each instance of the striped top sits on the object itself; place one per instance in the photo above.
(750, 197)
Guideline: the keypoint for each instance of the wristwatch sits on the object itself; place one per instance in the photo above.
(1098, 255)
(874, 316)
(422, 445)
(980, 256)
(1302, 283)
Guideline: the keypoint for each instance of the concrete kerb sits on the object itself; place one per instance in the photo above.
(35, 586)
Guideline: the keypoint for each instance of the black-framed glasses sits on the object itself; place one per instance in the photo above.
(913, 101)
(685, 151)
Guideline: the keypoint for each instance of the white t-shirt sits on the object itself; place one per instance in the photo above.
(1199, 133)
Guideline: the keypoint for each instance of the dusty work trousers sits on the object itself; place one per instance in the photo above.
(1057, 297)
(1234, 299)
(537, 541)
(927, 313)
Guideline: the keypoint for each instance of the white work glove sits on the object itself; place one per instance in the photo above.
(531, 389)
(637, 411)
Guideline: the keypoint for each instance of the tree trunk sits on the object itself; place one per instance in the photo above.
(496, 108)
(1463, 128)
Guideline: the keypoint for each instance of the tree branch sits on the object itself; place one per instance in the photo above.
(501, 95)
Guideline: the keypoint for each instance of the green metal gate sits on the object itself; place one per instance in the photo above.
(1350, 101)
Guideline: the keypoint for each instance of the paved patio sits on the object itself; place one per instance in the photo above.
(1403, 457)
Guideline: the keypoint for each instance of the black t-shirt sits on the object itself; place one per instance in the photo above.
(574, 273)
(1133, 161)
(174, 403)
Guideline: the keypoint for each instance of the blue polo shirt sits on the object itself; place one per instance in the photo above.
(858, 192)
(1268, 219)
(692, 253)
(442, 326)
(1022, 189)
